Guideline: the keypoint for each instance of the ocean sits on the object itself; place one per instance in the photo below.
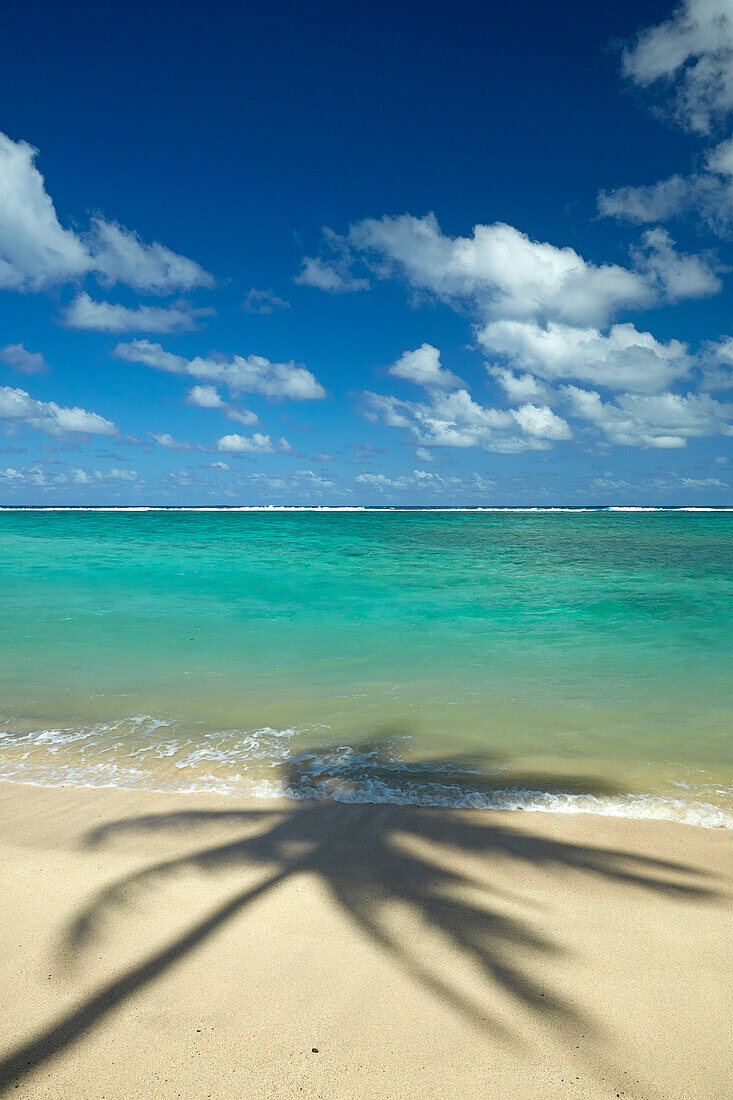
(556, 660)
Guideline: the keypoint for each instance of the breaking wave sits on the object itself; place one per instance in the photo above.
(151, 753)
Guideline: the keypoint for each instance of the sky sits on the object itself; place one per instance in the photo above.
(335, 254)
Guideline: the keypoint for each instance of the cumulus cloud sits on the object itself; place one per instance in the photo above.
(421, 480)
(83, 312)
(40, 477)
(707, 194)
(119, 256)
(622, 359)
(303, 483)
(691, 56)
(716, 361)
(456, 420)
(165, 439)
(544, 310)
(675, 276)
(376, 481)
(37, 252)
(422, 366)
(313, 482)
(665, 420)
(332, 273)
(671, 481)
(208, 397)
(19, 409)
(328, 276)
(255, 444)
(250, 374)
(519, 387)
(540, 421)
(688, 59)
(263, 302)
(89, 477)
(25, 362)
(499, 271)
(418, 479)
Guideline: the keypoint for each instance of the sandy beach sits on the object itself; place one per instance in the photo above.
(199, 946)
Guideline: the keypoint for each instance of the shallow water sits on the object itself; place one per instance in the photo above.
(551, 660)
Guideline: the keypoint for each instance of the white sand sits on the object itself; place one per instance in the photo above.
(203, 946)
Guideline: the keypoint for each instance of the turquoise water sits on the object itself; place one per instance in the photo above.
(551, 660)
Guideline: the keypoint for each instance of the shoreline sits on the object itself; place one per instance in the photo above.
(201, 945)
(536, 802)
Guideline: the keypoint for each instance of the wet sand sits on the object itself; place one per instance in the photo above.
(158, 945)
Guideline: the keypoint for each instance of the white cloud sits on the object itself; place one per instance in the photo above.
(333, 274)
(253, 374)
(708, 194)
(257, 443)
(676, 276)
(88, 477)
(25, 362)
(664, 420)
(245, 417)
(519, 387)
(41, 477)
(501, 271)
(716, 361)
(208, 397)
(263, 302)
(456, 420)
(164, 439)
(422, 366)
(656, 202)
(422, 480)
(541, 421)
(119, 256)
(18, 408)
(691, 54)
(624, 358)
(36, 252)
(376, 481)
(324, 276)
(83, 312)
(669, 482)
(305, 483)
(545, 310)
(313, 482)
(418, 479)
(702, 483)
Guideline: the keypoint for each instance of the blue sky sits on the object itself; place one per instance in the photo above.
(435, 253)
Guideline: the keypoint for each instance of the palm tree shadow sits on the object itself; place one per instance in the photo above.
(371, 859)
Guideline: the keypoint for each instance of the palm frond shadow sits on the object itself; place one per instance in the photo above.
(371, 859)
